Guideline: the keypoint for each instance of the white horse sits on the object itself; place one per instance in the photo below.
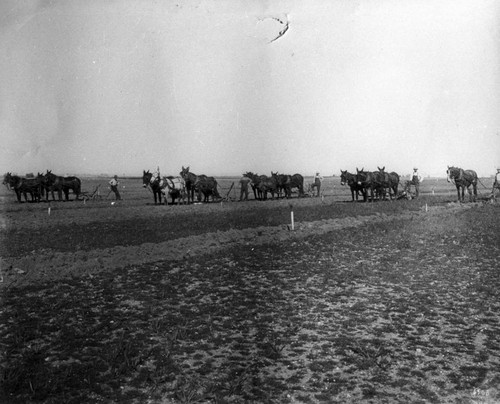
(175, 187)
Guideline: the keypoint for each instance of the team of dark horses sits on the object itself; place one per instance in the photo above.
(370, 185)
(379, 184)
(190, 187)
(42, 186)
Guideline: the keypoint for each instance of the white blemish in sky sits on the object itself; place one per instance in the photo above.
(232, 86)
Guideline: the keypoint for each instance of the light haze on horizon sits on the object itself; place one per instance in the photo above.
(92, 86)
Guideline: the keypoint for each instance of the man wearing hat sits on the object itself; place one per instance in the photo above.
(245, 182)
(318, 179)
(416, 179)
(113, 183)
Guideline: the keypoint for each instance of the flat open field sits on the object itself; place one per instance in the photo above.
(383, 302)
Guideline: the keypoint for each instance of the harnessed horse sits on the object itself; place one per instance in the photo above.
(153, 183)
(352, 180)
(268, 184)
(207, 187)
(256, 179)
(62, 185)
(203, 185)
(388, 181)
(370, 181)
(463, 179)
(282, 182)
(24, 186)
(288, 182)
(175, 187)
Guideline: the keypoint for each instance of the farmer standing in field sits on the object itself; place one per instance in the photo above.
(416, 179)
(244, 183)
(113, 183)
(318, 179)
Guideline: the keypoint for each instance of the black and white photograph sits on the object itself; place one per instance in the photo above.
(265, 201)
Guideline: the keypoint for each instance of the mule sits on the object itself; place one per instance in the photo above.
(62, 185)
(463, 179)
(370, 182)
(201, 184)
(287, 182)
(153, 184)
(394, 180)
(389, 181)
(256, 179)
(294, 181)
(175, 187)
(268, 184)
(346, 178)
(206, 187)
(190, 181)
(24, 186)
(282, 183)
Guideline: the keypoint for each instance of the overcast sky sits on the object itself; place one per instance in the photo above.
(101, 86)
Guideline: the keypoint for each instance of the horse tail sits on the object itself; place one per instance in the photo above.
(216, 191)
(78, 187)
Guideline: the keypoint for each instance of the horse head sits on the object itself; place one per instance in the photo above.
(42, 178)
(184, 172)
(362, 176)
(451, 173)
(382, 177)
(343, 177)
(7, 178)
(146, 178)
(49, 177)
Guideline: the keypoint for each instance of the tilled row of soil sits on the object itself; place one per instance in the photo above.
(48, 264)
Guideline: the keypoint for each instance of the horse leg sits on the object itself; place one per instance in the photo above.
(254, 193)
